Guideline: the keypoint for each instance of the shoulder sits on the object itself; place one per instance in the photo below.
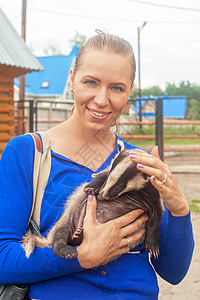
(20, 142)
(19, 150)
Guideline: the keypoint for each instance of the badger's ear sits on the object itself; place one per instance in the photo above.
(120, 145)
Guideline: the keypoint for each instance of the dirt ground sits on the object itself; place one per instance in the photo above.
(186, 169)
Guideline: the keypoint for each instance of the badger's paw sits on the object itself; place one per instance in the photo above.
(153, 251)
(77, 237)
(91, 191)
(66, 252)
(77, 233)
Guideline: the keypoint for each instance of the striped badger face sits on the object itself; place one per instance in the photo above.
(123, 175)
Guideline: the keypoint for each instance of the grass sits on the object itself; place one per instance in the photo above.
(194, 207)
(147, 142)
(168, 130)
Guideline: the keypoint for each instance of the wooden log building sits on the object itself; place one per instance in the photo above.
(16, 59)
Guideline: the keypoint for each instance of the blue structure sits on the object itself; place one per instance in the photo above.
(173, 106)
(52, 80)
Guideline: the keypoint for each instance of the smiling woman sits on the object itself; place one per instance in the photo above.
(103, 77)
(81, 147)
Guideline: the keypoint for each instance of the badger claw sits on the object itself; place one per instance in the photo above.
(154, 253)
(77, 233)
(91, 191)
(66, 252)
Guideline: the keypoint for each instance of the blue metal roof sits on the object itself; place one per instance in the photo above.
(55, 74)
(173, 106)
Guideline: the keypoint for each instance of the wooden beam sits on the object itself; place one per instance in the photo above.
(151, 137)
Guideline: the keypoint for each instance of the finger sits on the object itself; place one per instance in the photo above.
(159, 174)
(152, 160)
(128, 218)
(159, 185)
(132, 239)
(90, 215)
(135, 226)
(155, 151)
(146, 159)
(150, 164)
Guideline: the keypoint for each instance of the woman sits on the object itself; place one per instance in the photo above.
(84, 144)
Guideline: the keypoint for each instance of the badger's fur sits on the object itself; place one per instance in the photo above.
(119, 189)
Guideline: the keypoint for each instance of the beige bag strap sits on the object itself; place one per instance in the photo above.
(41, 171)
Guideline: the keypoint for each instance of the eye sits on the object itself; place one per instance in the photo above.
(117, 89)
(90, 82)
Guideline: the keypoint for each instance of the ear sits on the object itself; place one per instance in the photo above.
(71, 78)
(120, 145)
(132, 88)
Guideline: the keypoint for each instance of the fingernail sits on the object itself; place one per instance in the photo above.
(132, 156)
(140, 166)
(144, 230)
(90, 197)
(154, 178)
(132, 153)
(146, 219)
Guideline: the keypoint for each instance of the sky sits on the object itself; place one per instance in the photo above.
(169, 42)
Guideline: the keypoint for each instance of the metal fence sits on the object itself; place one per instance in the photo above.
(40, 115)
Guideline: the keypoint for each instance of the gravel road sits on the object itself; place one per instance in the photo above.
(186, 169)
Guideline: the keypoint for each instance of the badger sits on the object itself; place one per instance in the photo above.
(119, 189)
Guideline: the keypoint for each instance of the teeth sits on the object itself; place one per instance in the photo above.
(98, 114)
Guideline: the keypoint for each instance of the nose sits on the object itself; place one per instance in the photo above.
(101, 98)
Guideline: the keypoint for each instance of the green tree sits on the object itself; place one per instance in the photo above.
(193, 107)
(78, 39)
(185, 88)
(52, 49)
(152, 91)
(172, 89)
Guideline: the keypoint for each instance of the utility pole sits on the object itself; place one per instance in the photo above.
(20, 113)
(139, 73)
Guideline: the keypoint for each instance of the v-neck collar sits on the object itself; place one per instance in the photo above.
(103, 165)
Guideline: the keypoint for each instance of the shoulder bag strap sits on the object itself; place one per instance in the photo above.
(41, 171)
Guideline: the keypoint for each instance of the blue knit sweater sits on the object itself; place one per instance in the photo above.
(132, 276)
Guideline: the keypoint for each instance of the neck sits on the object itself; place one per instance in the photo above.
(91, 135)
(87, 146)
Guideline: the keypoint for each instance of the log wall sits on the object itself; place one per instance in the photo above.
(6, 111)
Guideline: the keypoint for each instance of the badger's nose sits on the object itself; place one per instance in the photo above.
(106, 197)
(99, 197)
(103, 196)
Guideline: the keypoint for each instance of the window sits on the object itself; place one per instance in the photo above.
(45, 84)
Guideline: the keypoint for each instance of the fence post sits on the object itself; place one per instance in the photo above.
(31, 115)
(36, 115)
(159, 127)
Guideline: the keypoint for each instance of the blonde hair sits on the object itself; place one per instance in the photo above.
(113, 43)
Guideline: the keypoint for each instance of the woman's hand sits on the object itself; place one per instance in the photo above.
(102, 242)
(163, 180)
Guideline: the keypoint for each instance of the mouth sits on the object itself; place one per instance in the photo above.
(98, 114)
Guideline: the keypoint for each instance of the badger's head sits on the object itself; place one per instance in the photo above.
(123, 175)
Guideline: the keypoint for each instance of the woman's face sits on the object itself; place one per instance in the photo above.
(102, 85)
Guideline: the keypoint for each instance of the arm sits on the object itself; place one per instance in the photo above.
(176, 249)
(16, 168)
